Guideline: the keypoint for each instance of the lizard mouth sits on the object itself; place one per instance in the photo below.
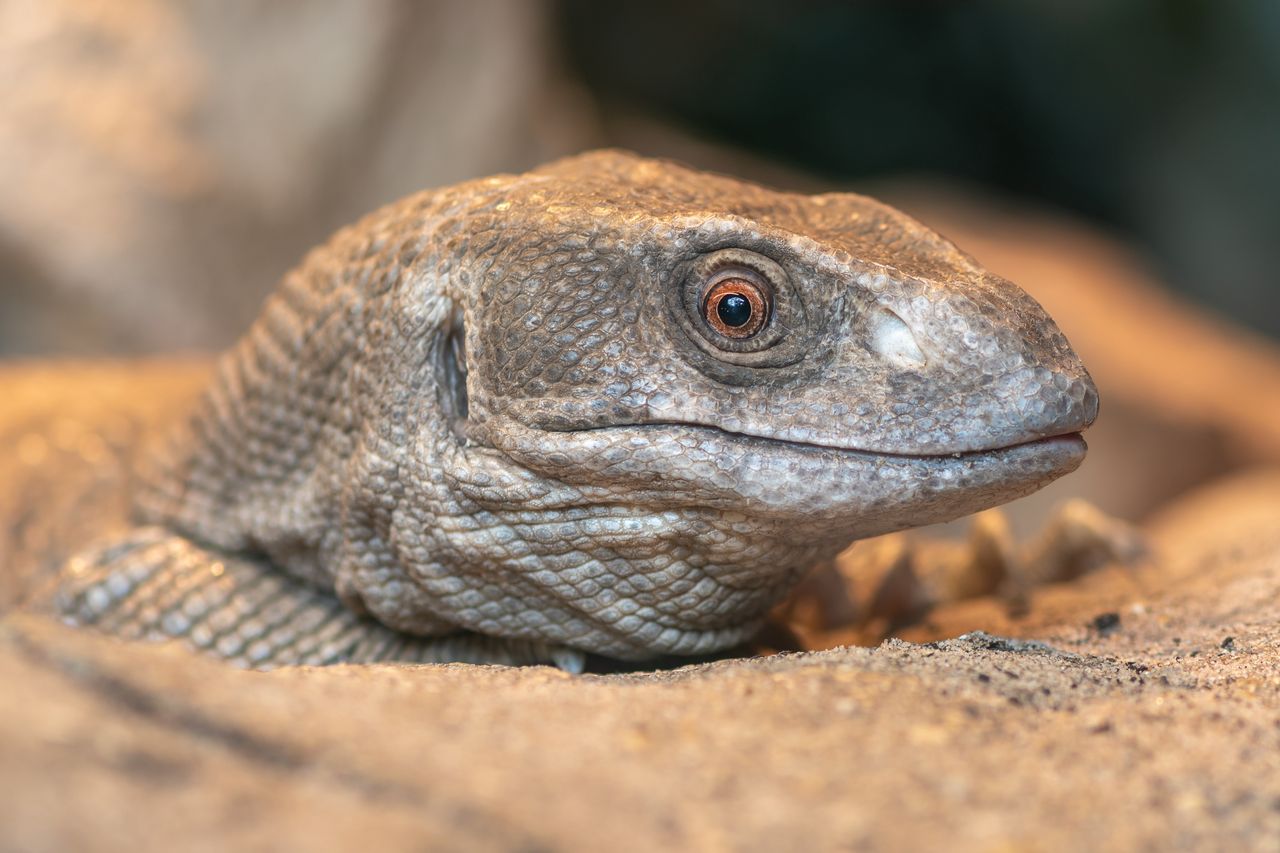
(869, 492)
(1058, 442)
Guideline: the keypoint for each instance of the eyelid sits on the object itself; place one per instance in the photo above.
(736, 271)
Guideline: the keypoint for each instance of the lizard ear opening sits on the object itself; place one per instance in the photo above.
(451, 374)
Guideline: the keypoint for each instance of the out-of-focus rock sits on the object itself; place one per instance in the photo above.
(164, 163)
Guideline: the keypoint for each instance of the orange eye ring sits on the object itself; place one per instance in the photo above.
(736, 307)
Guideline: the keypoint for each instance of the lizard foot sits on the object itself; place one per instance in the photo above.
(1078, 539)
(883, 584)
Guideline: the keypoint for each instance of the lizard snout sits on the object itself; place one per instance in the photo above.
(973, 366)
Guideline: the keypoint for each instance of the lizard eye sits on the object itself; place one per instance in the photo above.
(735, 306)
(740, 308)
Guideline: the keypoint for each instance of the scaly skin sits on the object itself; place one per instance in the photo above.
(501, 408)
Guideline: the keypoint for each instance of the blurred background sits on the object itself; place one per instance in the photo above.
(163, 162)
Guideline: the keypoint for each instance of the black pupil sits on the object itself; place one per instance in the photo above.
(734, 310)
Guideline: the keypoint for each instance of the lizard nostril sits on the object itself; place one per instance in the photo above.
(891, 339)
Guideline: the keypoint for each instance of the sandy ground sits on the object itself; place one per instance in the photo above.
(1139, 710)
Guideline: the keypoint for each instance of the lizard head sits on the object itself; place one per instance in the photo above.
(751, 379)
(637, 294)
(622, 405)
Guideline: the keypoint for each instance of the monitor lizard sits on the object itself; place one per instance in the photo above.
(612, 405)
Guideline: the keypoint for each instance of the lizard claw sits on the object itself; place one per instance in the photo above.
(1079, 539)
(568, 660)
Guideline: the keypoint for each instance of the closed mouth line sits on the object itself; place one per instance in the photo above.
(1047, 440)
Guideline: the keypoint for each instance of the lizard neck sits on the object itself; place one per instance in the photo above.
(310, 406)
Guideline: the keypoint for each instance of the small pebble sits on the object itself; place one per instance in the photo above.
(1106, 623)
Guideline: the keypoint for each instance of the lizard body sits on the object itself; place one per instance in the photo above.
(611, 405)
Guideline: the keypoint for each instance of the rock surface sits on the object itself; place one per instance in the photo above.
(1144, 714)
(163, 163)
